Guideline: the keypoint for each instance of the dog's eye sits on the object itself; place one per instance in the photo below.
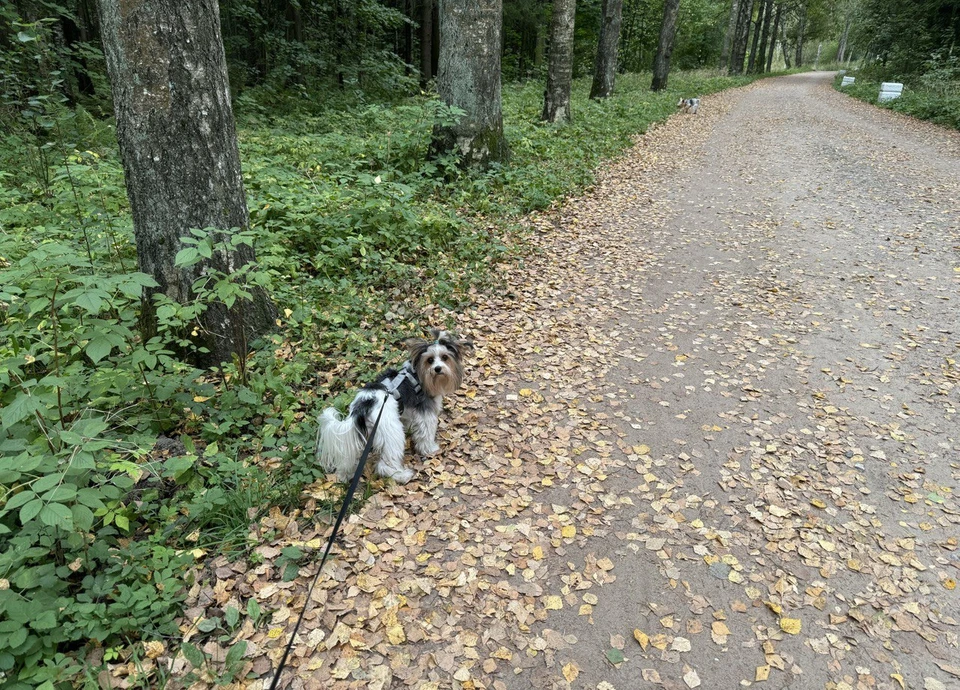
(430, 360)
(445, 358)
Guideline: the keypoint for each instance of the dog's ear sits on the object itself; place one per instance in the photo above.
(451, 340)
(465, 344)
(415, 348)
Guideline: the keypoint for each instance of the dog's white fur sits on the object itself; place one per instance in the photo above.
(689, 105)
(436, 366)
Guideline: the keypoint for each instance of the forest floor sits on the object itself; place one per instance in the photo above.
(709, 436)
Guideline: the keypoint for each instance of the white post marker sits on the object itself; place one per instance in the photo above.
(889, 90)
(847, 81)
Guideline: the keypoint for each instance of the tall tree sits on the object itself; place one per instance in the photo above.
(773, 36)
(752, 62)
(556, 97)
(738, 51)
(729, 35)
(426, 41)
(668, 31)
(764, 36)
(469, 79)
(801, 27)
(178, 142)
(605, 68)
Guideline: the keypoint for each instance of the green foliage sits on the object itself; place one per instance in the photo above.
(284, 48)
(900, 36)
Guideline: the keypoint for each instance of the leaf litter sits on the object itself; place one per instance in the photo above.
(685, 402)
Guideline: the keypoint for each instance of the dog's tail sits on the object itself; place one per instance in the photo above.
(339, 443)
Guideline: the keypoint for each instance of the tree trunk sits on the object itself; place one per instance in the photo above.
(541, 48)
(798, 60)
(556, 97)
(179, 147)
(752, 62)
(668, 31)
(764, 36)
(409, 10)
(773, 37)
(729, 35)
(426, 41)
(605, 68)
(469, 79)
(842, 50)
(738, 52)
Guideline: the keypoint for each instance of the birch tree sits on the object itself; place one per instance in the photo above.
(469, 79)
(556, 97)
(181, 163)
(605, 69)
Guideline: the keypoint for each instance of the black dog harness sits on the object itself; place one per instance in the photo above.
(405, 375)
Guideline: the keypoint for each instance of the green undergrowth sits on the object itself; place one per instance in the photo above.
(933, 96)
(122, 469)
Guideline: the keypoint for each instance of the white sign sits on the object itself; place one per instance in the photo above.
(889, 90)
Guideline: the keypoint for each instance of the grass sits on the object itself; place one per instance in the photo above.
(922, 98)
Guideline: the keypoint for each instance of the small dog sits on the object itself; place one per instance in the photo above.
(689, 105)
(411, 399)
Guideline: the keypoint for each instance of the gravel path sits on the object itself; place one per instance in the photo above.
(788, 335)
(709, 436)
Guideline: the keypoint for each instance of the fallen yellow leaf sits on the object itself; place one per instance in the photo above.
(571, 671)
(552, 602)
(641, 637)
(395, 634)
(790, 626)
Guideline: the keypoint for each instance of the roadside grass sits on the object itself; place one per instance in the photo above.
(125, 470)
(925, 98)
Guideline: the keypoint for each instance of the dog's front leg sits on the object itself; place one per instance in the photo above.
(389, 444)
(423, 429)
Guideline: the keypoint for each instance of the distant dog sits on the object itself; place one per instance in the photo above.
(689, 105)
(411, 399)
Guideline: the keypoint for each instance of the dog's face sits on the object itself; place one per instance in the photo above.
(439, 363)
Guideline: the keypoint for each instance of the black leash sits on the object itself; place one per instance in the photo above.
(333, 535)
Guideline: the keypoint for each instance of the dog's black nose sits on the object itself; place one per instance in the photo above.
(438, 368)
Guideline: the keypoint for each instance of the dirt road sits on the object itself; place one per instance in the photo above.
(788, 347)
(710, 435)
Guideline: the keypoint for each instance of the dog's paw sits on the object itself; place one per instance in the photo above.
(403, 476)
(430, 450)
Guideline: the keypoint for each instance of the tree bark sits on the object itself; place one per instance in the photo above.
(469, 79)
(738, 52)
(729, 35)
(426, 41)
(668, 31)
(752, 62)
(556, 97)
(773, 37)
(841, 51)
(605, 68)
(181, 164)
(798, 59)
(764, 36)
